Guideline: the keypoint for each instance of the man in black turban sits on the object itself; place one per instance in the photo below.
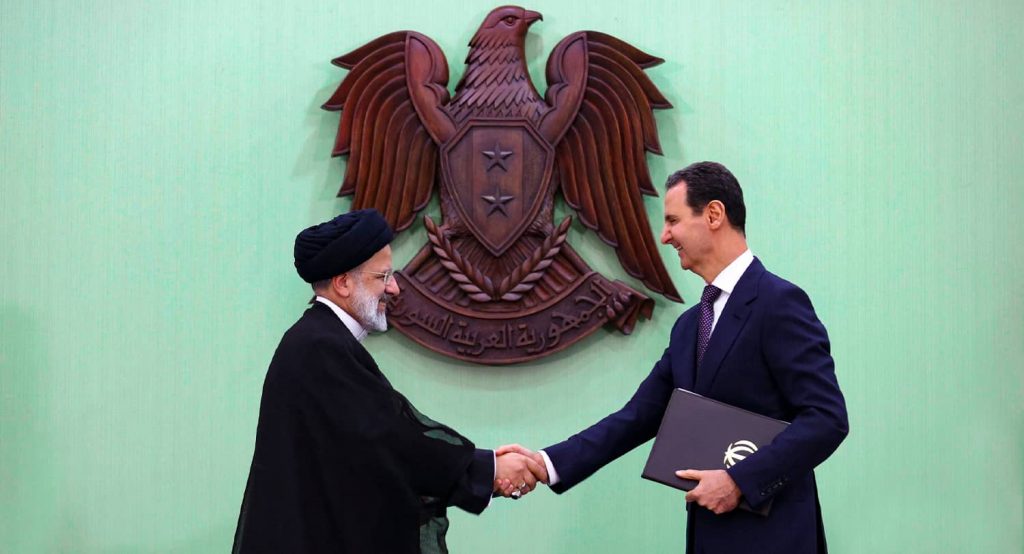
(343, 462)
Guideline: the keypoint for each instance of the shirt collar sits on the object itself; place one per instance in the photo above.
(727, 279)
(354, 327)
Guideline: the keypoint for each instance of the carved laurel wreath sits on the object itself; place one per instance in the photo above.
(480, 287)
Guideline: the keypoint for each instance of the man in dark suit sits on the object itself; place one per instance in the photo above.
(343, 462)
(753, 341)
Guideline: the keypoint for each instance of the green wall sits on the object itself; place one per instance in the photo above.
(157, 159)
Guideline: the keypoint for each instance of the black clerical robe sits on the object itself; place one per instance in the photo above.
(343, 462)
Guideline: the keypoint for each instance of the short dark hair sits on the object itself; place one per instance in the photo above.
(707, 181)
(321, 285)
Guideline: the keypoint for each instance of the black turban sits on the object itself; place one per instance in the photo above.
(336, 246)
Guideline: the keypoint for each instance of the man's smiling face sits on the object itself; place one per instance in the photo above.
(685, 230)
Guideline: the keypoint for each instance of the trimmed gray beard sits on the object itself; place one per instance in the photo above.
(366, 309)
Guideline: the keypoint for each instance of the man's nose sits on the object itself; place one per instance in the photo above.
(392, 287)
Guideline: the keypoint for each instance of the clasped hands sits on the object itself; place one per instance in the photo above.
(517, 471)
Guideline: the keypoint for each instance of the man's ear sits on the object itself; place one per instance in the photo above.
(342, 285)
(714, 213)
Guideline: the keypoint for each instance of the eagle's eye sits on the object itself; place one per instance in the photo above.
(509, 20)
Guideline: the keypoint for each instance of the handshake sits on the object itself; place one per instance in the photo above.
(517, 471)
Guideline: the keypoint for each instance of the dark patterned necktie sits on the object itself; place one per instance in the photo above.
(707, 318)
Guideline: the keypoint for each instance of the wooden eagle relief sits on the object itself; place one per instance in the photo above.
(498, 283)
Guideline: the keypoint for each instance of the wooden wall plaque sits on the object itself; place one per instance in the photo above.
(498, 283)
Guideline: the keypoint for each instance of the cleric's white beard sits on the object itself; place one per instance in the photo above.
(366, 309)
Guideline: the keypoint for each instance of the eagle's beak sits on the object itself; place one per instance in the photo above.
(530, 17)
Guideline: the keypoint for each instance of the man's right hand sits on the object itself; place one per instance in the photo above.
(522, 450)
(517, 474)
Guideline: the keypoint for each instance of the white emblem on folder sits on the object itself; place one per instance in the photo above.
(738, 451)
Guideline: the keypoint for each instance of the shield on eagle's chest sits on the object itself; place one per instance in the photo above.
(498, 173)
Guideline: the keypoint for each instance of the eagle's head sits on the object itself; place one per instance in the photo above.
(496, 82)
(504, 26)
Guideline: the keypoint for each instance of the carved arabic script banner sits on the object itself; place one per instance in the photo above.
(505, 339)
(497, 282)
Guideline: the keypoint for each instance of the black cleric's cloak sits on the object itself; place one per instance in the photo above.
(343, 462)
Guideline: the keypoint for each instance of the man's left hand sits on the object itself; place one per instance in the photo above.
(715, 491)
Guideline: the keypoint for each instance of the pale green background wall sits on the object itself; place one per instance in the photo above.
(158, 158)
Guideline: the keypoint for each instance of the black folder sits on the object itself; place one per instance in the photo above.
(700, 433)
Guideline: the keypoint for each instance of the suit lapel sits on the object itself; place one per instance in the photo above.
(732, 320)
(686, 376)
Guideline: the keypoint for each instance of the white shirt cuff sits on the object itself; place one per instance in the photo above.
(494, 456)
(552, 474)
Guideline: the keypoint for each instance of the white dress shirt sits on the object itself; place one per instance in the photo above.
(726, 282)
(354, 327)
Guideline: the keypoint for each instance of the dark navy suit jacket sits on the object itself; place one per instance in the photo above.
(769, 354)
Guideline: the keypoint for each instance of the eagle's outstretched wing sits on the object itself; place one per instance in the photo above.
(603, 122)
(391, 123)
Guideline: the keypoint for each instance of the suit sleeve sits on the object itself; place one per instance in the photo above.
(796, 349)
(579, 456)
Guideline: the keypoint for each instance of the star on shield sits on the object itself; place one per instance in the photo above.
(497, 201)
(497, 157)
